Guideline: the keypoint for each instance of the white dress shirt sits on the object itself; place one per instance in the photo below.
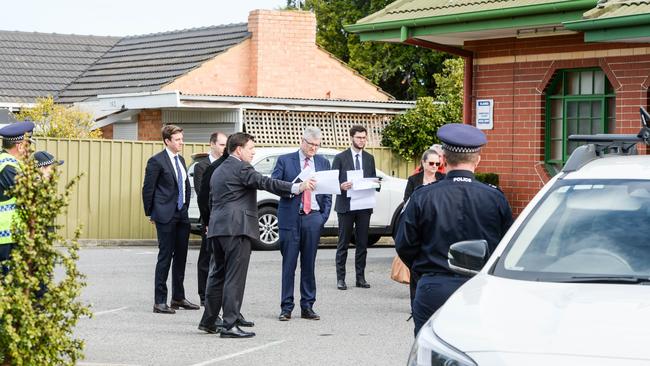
(172, 157)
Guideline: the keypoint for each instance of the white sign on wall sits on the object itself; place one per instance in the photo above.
(484, 113)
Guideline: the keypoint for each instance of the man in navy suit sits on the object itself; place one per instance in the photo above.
(300, 220)
(166, 197)
(354, 158)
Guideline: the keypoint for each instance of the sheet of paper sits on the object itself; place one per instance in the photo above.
(353, 175)
(363, 199)
(327, 182)
(304, 175)
(365, 183)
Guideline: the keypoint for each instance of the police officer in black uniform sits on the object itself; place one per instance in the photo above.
(454, 209)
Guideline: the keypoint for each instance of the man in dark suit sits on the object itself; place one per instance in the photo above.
(217, 147)
(233, 225)
(353, 158)
(300, 220)
(166, 197)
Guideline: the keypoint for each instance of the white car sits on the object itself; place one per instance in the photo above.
(382, 221)
(568, 284)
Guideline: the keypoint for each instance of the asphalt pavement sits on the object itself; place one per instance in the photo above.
(357, 326)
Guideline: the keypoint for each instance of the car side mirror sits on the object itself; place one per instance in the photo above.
(468, 257)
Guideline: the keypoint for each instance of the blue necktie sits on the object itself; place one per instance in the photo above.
(357, 165)
(179, 178)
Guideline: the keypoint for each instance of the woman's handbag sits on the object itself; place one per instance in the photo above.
(399, 272)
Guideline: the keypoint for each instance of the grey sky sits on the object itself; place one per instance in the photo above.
(125, 17)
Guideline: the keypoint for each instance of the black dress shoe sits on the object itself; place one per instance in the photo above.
(363, 284)
(163, 309)
(242, 322)
(284, 316)
(340, 284)
(235, 332)
(211, 330)
(176, 304)
(310, 314)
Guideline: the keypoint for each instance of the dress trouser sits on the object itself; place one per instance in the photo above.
(203, 265)
(300, 241)
(360, 219)
(227, 279)
(433, 290)
(172, 251)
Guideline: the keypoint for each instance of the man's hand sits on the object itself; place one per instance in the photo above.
(346, 185)
(309, 184)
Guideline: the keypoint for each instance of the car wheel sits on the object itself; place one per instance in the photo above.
(267, 217)
(372, 239)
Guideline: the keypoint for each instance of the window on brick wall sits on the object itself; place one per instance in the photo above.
(579, 101)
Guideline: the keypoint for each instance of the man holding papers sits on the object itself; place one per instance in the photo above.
(300, 220)
(354, 206)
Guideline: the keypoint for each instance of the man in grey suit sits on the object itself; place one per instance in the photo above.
(233, 225)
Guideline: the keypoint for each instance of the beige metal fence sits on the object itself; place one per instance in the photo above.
(107, 202)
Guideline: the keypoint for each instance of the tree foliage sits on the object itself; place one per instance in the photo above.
(401, 70)
(56, 120)
(38, 312)
(411, 133)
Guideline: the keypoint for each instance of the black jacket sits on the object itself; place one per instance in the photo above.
(343, 162)
(160, 189)
(417, 180)
(203, 194)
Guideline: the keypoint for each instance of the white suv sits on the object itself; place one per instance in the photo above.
(382, 221)
(568, 284)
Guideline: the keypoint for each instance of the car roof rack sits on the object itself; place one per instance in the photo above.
(601, 144)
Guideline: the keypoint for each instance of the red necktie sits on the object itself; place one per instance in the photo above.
(306, 195)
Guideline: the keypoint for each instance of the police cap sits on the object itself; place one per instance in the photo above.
(16, 131)
(461, 138)
(44, 158)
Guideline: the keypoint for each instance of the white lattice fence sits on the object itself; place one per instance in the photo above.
(283, 128)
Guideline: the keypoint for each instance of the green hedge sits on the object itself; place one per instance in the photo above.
(489, 178)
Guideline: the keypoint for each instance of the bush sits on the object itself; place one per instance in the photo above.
(489, 178)
(36, 326)
(56, 120)
(410, 134)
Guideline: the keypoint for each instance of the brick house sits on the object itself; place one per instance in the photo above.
(266, 76)
(549, 69)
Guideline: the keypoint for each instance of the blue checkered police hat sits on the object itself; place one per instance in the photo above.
(461, 138)
(16, 131)
(44, 158)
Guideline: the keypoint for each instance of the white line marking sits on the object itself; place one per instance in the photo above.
(111, 311)
(233, 355)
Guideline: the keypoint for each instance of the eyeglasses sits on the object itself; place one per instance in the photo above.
(311, 143)
(434, 163)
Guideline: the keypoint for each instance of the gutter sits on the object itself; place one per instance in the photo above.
(614, 22)
(474, 16)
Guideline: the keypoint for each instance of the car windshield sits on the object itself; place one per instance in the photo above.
(584, 230)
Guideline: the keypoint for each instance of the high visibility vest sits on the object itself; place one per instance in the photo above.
(7, 207)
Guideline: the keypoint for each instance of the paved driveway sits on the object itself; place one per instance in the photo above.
(358, 326)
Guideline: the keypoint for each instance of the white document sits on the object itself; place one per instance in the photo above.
(363, 199)
(365, 183)
(304, 174)
(360, 199)
(327, 182)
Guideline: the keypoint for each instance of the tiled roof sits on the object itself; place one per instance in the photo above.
(413, 9)
(618, 8)
(148, 62)
(40, 64)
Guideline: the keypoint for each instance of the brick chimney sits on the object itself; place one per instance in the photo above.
(284, 42)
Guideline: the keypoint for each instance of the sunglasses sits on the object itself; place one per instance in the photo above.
(434, 163)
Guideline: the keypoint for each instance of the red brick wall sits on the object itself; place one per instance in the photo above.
(107, 132)
(149, 125)
(515, 73)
